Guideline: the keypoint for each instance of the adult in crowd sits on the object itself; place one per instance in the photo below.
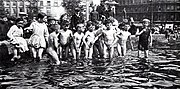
(94, 15)
(76, 18)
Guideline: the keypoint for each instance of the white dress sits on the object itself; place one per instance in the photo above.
(40, 33)
(15, 34)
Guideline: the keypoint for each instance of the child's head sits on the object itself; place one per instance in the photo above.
(19, 22)
(146, 22)
(99, 24)
(108, 24)
(90, 26)
(126, 27)
(65, 25)
(56, 28)
(41, 17)
(80, 27)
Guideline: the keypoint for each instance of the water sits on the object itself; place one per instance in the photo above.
(160, 70)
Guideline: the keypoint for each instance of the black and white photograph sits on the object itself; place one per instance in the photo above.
(89, 44)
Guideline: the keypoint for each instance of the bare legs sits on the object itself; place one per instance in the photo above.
(16, 54)
(37, 53)
(145, 53)
(54, 55)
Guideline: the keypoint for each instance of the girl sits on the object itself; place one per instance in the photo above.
(16, 37)
(39, 37)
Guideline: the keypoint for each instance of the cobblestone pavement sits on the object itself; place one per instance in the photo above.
(160, 71)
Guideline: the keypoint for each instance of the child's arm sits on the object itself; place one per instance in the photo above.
(115, 40)
(84, 39)
(55, 40)
(10, 33)
(139, 33)
(96, 38)
(130, 41)
(150, 37)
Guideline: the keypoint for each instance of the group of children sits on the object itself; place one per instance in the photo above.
(93, 38)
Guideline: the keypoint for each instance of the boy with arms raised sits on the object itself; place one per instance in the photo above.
(123, 36)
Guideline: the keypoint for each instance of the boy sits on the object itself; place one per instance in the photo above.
(123, 36)
(98, 45)
(65, 39)
(78, 36)
(109, 39)
(53, 43)
(89, 40)
(145, 38)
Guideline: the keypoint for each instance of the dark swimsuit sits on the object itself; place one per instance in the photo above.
(144, 40)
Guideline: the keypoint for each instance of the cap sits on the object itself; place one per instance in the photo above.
(146, 20)
(77, 9)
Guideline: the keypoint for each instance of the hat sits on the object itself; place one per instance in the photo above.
(41, 15)
(51, 18)
(146, 20)
(77, 9)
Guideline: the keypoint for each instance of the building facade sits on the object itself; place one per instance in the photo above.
(15, 7)
(158, 11)
(51, 7)
(32, 7)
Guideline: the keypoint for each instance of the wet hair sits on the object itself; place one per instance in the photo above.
(18, 20)
(90, 23)
(65, 23)
(55, 27)
(108, 21)
(41, 15)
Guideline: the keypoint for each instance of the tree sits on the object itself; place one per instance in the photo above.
(70, 5)
(2, 10)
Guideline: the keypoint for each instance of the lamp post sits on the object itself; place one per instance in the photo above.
(152, 14)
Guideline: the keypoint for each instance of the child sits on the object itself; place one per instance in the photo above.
(78, 36)
(144, 37)
(39, 36)
(98, 45)
(53, 43)
(89, 40)
(16, 36)
(123, 36)
(65, 37)
(109, 39)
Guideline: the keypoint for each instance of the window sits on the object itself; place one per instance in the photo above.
(14, 3)
(178, 8)
(48, 12)
(48, 8)
(21, 3)
(7, 3)
(21, 9)
(41, 3)
(55, 3)
(48, 3)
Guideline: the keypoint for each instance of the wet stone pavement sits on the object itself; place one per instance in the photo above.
(160, 71)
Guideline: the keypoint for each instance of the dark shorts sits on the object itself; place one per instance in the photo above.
(143, 45)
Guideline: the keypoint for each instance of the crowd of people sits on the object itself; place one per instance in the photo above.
(74, 38)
